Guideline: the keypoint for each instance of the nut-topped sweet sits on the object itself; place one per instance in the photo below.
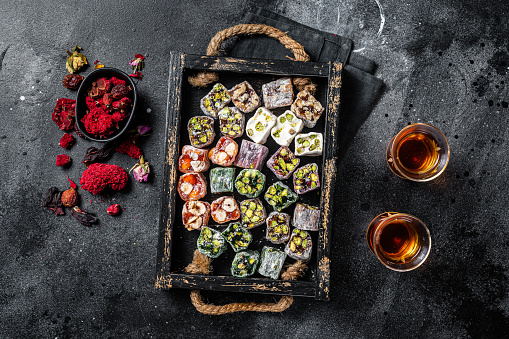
(225, 209)
(225, 152)
(306, 178)
(215, 100)
(250, 182)
(310, 144)
(287, 127)
(211, 243)
(306, 217)
(231, 122)
(245, 263)
(201, 131)
(193, 159)
(280, 196)
(283, 163)
(278, 227)
(252, 213)
(244, 97)
(278, 93)
(307, 108)
(192, 186)
(299, 246)
(258, 127)
(237, 236)
(195, 214)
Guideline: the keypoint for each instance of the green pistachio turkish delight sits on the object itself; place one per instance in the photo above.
(280, 196)
(201, 131)
(306, 178)
(252, 213)
(221, 179)
(250, 182)
(215, 100)
(271, 262)
(245, 263)
(231, 122)
(211, 243)
(283, 163)
(278, 227)
(299, 246)
(237, 236)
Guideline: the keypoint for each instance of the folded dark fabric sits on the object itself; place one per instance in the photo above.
(360, 89)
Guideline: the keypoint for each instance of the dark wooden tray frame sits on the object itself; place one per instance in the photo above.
(319, 288)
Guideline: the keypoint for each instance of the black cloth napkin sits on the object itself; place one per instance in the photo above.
(360, 90)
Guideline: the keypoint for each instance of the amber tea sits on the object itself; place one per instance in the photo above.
(419, 152)
(400, 241)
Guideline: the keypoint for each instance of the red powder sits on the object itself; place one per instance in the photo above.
(99, 176)
(63, 160)
(130, 148)
(67, 140)
(63, 113)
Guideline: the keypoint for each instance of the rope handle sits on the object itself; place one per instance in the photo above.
(203, 79)
(201, 265)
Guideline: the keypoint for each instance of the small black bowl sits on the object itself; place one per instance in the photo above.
(81, 106)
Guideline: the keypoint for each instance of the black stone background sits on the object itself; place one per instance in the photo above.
(443, 62)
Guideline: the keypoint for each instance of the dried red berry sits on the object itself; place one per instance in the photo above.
(70, 198)
(114, 209)
(72, 81)
(63, 113)
(120, 91)
(63, 160)
(67, 141)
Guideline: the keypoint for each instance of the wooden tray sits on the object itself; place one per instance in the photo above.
(176, 244)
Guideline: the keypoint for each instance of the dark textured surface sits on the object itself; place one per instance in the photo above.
(443, 62)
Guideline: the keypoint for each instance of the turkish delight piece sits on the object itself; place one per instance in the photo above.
(237, 236)
(299, 246)
(306, 178)
(278, 93)
(309, 144)
(252, 213)
(225, 209)
(221, 179)
(271, 262)
(250, 182)
(195, 214)
(211, 243)
(192, 186)
(307, 108)
(251, 155)
(244, 97)
(225, 152)
(278, 227)
(245, 263)
(287, 127)
(193, 159)
(283, 163)
(280, 196)
(306, 217)
(258, 127)
(215, 100)
(201, 131)
(231, 122)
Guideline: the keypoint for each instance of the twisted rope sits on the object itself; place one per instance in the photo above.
(203, 79)
(201, 265)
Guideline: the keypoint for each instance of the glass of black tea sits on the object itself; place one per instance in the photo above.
(419, 152)
(400, 241)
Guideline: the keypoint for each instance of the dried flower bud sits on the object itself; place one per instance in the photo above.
(114, 209)
(141, 170)
(76, 60)
(70, 197)
(72, 81)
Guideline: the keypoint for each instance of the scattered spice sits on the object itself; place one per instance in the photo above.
(137, 75)
(72, 81)
(99, 176)
(137, 63)
(98, 64)
(63, 113)
(93, 154)
(63, 160)
(141, 170)
(53, 200)
(67, 141)
(72, 184)
(76, 60)
(114, 209)
(78, 133)
(87, 219)
(130, 148)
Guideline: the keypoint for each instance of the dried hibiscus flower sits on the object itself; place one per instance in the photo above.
(72, 81)
(63, 160)
(87, 219)
(76, 60)
(67, 140)
(94, 155)
(99, 176)
(53, 201)
(137, 63)
(63, 114)
(98, 122)
(141, 170)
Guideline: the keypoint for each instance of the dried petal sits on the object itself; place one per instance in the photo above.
(87, 219)
(63, 113)
(93, 154)
(143, 129)
(53, 200)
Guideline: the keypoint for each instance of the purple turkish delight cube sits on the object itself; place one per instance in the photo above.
(283, 163)
(306, 178)
(306, 217)
(251, 155)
